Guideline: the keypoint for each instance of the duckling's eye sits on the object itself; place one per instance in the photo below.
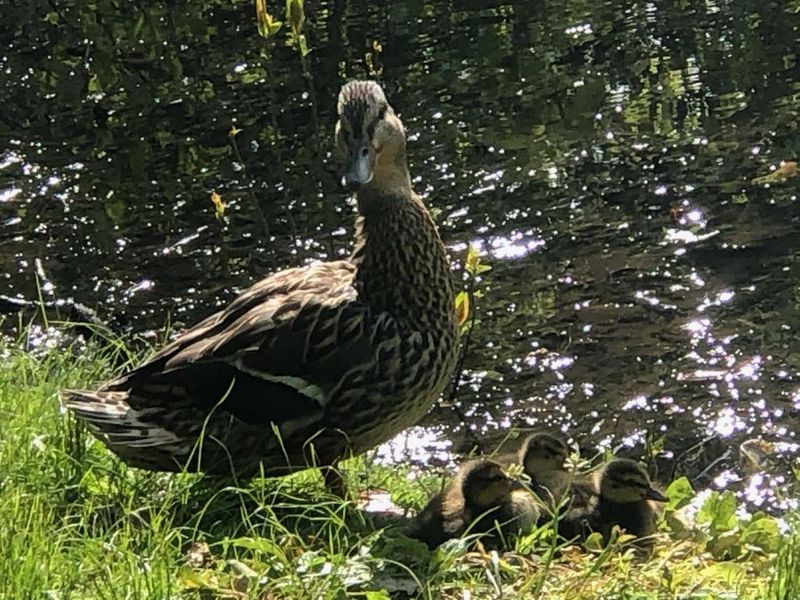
(364, 152)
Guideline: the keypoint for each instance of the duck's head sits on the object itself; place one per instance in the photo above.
(624, 481)
(542, 452)
(371, 136)
(484, 483)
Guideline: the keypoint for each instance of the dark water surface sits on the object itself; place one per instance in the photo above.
(602, 155)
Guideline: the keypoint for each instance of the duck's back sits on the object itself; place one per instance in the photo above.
(429, 525)
(577, 518)
(636, 518)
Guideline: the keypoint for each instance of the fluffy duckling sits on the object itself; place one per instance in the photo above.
(542, 456)
(480, 497)
(620, 493)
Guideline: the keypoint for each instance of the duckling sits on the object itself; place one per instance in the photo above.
(480, 497)
(542, 456)
(621, 494)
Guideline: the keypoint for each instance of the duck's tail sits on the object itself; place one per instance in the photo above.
(127, 431)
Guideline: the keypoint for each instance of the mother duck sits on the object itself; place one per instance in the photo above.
(313, 363)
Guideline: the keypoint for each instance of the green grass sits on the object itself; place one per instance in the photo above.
(76, 523)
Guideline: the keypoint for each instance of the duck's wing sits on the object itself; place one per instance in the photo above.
(580, 513)
(428, 525)
(276, 354)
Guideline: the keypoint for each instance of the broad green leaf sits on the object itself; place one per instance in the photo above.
(594, 543)
(718, 512)
(680, 493)
(762, 533)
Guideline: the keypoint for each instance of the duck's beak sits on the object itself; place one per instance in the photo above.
(654, 494)
(359, 167)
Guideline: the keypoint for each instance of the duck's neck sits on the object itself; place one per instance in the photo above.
(402, 266)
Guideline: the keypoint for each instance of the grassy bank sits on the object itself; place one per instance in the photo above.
(76, 523)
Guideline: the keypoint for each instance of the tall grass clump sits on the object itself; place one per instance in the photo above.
(75, 522)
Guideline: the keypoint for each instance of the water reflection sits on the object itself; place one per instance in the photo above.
(601, 157)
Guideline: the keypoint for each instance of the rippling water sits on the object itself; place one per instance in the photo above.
(612, 164)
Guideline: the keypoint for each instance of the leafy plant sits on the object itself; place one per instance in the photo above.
(464, 306)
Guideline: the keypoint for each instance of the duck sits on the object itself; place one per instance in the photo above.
(618, 494)
(542, 456)
(311, 364)
(481, 499)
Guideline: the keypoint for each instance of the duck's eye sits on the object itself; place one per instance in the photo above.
(364, 152)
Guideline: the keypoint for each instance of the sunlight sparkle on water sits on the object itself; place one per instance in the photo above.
(417, 443)
(515, 245)
(639, 402)
(726, 423)
(9, 194)
(698, 327)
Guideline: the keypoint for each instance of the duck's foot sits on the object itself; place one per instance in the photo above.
(334, 482)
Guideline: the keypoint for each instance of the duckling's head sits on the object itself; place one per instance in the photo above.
(542, 452)
(371, 136)
(624, 481)
(484, 483)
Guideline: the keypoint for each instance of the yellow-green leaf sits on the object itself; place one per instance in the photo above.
(303, 45)
(473, 264)
(267, 25)
(473, 259)
(462, 308)
(219, 205)
(196, 580)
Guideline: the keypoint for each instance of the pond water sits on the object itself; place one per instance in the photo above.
(618, 166)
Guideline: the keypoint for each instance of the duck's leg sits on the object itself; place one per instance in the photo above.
(334, 481)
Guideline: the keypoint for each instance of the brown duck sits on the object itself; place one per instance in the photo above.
(542, 456)
(481, 499)
(621, 494)
(313, 363)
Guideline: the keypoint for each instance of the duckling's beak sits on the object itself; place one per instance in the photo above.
(359, 167)
(654, 494)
